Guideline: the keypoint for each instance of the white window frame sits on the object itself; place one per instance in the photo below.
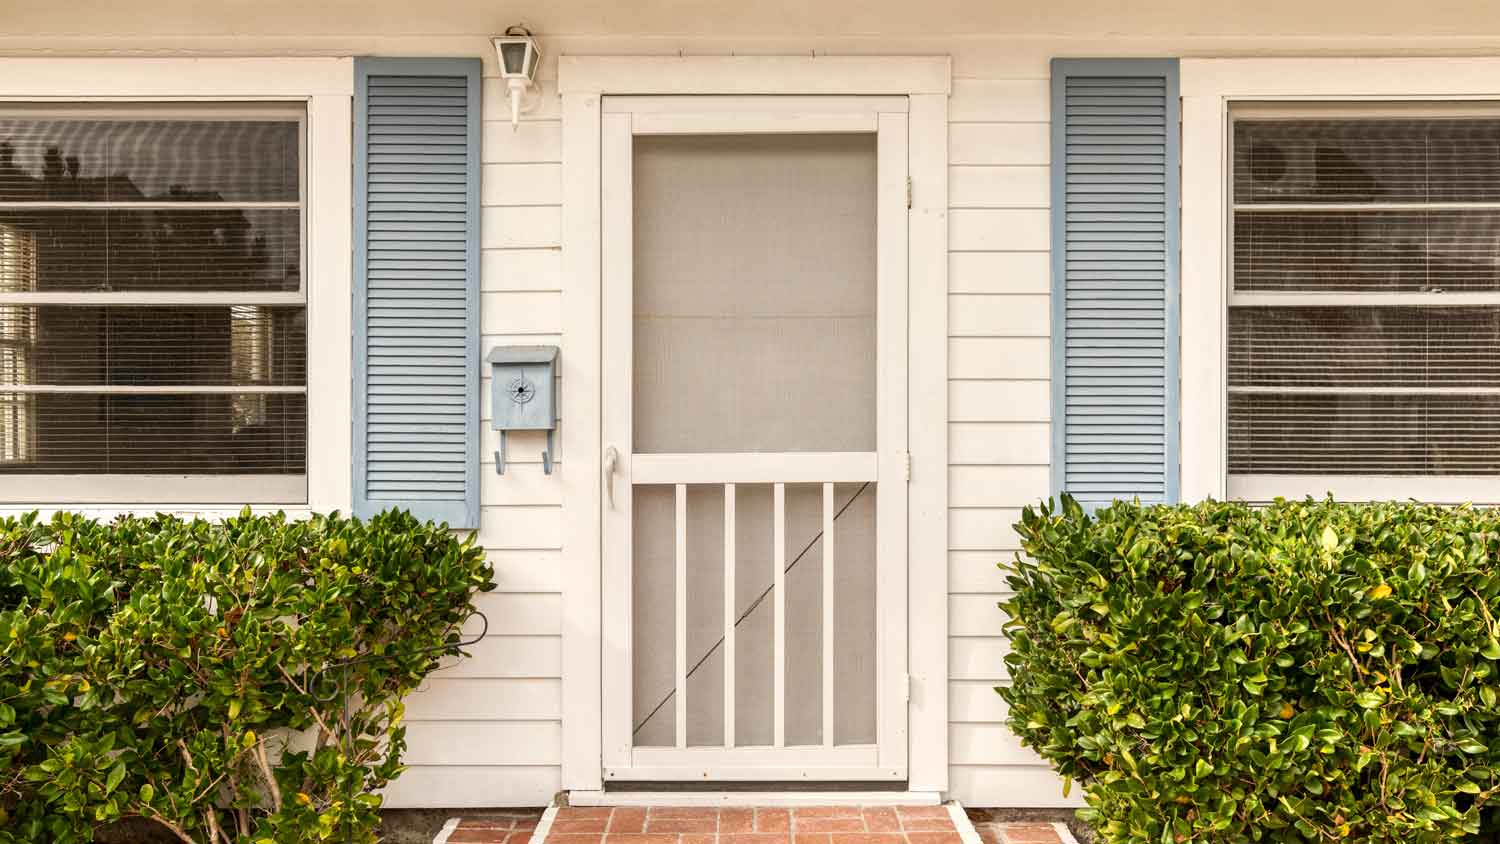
(1210, 89)
(324, 87)
(583, 82)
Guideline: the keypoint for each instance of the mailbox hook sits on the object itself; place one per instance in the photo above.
(500, 455)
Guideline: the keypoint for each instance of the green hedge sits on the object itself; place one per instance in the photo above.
(187, 671)
(1310, 671)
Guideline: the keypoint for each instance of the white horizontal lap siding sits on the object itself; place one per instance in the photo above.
(487, 730)
(999, 412)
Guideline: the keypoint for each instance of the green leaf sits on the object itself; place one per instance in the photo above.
(1472, 746)
(1329, 540)
(116, 776)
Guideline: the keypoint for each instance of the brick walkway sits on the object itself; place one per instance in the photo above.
(811, 825)
(493, 828)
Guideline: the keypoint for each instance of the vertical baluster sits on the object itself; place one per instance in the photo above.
(681, 592)
(729, 614)
(778, 698)
(828, 615)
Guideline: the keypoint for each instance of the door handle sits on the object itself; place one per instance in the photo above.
(611, 463)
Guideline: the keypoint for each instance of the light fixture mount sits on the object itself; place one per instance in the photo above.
(519, 57)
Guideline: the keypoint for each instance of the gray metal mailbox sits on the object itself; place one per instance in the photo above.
(524, 395)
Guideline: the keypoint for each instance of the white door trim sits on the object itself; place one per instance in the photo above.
(583, 81)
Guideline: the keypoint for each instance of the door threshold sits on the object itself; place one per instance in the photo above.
(754, 798)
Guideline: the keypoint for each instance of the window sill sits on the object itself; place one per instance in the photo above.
(1432, 489)
(207, 492)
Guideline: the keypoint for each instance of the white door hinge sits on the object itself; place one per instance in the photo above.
(906, 688)
(908, 193)
(906, 463)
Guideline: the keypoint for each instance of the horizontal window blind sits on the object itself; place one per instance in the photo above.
(1365, 348)
(152, 306)
(1368, 250)
(1345, 355)
(1363, 434)
(1370, 159)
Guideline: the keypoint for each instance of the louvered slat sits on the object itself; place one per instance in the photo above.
(417, 288)
(1114, 264)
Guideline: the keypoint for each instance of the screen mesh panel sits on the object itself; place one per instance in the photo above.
(1355, 382)
(755, 293)
(854, 624)
(189, 214)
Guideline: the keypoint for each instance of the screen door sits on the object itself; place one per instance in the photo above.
(754, 435)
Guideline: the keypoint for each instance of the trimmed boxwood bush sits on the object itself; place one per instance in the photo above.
(1309, 671)
(195, 673)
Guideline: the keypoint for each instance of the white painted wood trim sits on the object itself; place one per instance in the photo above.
(330, 305)
(893, 560)
(154, 298)
(109, 511)
(1364, 300)
(1204, 217)
(967, 834)
(1435, 489)
(447, 831)
(926, 81)
(69, 491)
(782, 104)
(754, 75)
(829, 584)
(157, 389)
(778, 622)
(731, 611)
(326, 87)
(281, 205)
(754, 798)
(1342, 78)
(582, 714)
(617, 250)
(754, 468)
(927, 437)
(543, 826)
(143, 78)
(752, 123)
(707, 761)
(753, 764)
(1210, 87)
(679, 637)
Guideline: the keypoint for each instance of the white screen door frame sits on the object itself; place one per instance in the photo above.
(583, 83)
(622, 120)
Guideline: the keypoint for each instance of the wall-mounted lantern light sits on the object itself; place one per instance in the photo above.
(519, 57)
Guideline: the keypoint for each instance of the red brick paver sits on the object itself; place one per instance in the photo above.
(747, 825)
(737, 825)
(1020, 833)
(510, 827)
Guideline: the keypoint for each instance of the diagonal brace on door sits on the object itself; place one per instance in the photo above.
(753, 605)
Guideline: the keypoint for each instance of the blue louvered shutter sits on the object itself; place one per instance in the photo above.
(1115, 194)
(416, 288)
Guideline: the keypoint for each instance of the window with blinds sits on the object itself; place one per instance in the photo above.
(152, 308)
(1364, 312)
